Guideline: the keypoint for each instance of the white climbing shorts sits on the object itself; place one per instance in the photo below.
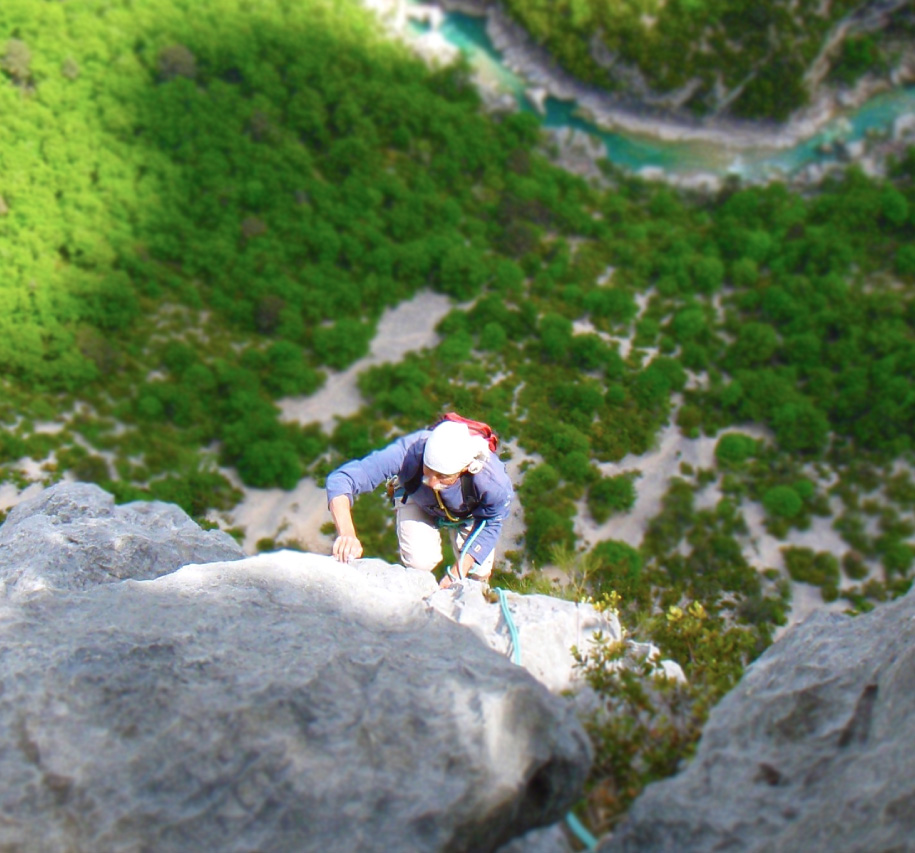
(420, 541)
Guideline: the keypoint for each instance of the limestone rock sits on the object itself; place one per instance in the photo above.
(72, 536)
(811, 751)
(553, 839)
(274, 703)
(281, 702)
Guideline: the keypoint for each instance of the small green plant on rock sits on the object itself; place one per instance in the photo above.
(648, 723)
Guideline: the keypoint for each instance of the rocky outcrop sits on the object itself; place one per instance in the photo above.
(275, 703)
(72, 536)
(812, 750)
(547, 629)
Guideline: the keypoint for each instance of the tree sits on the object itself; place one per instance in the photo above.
(734, 448)
(555, 336)
(611, 495)
(756, 345)
(800, 427)
(782, 502)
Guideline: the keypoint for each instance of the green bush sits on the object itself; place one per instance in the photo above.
(734, 448)
(617, 567)
(648, 725)
(818, 568)
(782, 502)
(611, 495)
(854, 566)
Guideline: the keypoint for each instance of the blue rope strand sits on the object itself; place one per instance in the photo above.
(581, 833)
(512, 629)
(573, 822)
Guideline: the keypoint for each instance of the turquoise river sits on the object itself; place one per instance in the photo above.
(637, 152)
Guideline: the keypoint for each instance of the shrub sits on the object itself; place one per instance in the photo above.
(708, 274)
(177, 61)
(734, 448)
(905, 260)
(897, 556)
(11, 446)
(688, 324)
(648, 725)
(611, 495)
(854, 566)
(555, 336)
(16, 60)
(493, 337)
(745, 272)
(91, 469)
(800, 427)
(782, 502)
(546, 529)
(616, 567)
(263, 464)
(818, 568)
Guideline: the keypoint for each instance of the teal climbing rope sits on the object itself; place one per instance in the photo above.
(573, 822)
(581, 833)
(512, 628)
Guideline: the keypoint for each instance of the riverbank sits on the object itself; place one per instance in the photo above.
(613, 113)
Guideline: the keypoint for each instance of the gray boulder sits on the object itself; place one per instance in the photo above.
(812, 751)
(552, 839)
(282, 702)
(72, 536)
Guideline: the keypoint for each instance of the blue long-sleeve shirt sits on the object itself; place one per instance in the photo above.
(404, 458)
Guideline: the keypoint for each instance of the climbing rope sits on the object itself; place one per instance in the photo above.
(512, 628)
(577, 827)
(474, 532)
(581, 833)
(574, 824)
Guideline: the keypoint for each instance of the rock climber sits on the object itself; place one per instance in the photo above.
(444, 477)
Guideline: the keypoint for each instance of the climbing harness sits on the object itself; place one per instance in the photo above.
(574, 824)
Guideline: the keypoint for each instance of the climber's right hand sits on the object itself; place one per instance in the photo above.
(347, 548)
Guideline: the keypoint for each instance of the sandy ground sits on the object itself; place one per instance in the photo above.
(761, 550)
(407, 328)
(299, 514)
(10, 494)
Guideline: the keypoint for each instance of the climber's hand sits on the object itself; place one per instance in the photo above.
(347, 548)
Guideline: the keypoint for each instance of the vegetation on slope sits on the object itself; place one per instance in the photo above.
(204, 206)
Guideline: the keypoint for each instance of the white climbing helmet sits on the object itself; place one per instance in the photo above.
(452, 448)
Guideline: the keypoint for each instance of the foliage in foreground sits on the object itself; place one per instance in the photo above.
(649, 724)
